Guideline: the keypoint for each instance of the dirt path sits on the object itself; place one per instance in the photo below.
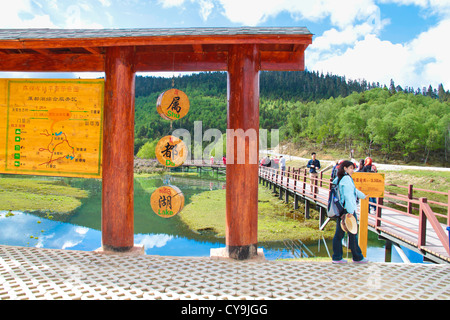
(380, 166)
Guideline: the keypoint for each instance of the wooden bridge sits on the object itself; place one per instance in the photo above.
(201, 165)
(423, 231)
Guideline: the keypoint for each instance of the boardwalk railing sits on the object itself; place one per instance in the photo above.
(204, 163)
(404, 216)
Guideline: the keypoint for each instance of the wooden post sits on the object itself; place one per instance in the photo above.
(388, 251)
(363, 225)
(322, 216)
(378, 213)
(448, 209)
(422, 224)
(304, 182)
(241, 181)
(286, 194)
(118, 150)
(315, 188)
(306, 209)
(295, 201)
(410, 196)
(295, 182)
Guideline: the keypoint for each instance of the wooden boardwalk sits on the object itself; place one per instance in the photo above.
(421, 233)
(201, 165)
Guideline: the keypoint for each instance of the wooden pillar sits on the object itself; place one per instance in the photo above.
(118, 150)
(295, 201)
(410, 196)
(388, 251)
(242, 178)
(422, 224)
(307, 209)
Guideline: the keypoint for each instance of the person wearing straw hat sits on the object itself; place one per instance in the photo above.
(347, 222)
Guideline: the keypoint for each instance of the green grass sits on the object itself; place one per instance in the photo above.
(276, 220)
(422, 179)
(39, 194)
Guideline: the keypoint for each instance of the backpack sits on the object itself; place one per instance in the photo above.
(335, 209)
(334, 172)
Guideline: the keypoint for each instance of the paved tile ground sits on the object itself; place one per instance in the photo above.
(47, 274)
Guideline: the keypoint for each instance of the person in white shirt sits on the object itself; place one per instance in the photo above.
(283, 164)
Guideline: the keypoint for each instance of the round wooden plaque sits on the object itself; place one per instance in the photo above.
(171, 151)
(167, 201)
(172, 104)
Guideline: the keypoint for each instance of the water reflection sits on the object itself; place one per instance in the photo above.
(165, 237)
(27, 230)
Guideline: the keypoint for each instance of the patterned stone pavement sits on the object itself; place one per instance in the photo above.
(48, 274)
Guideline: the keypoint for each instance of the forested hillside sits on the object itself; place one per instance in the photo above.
(397, 123)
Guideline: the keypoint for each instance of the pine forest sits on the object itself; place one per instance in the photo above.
(328, 111)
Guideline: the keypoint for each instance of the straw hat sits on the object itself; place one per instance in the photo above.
(349, 224)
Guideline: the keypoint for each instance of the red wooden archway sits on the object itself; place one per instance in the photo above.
(120, 53)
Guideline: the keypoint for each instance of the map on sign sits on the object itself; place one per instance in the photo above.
(51, 127)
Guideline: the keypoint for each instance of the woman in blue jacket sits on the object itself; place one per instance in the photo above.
(348, 196)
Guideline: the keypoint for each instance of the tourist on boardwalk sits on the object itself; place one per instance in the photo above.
(334, 170)
(313, 166)
(266, 161)
(361, 166)
(275, 164)
(283, 164)
(348, 195)
(370, 167)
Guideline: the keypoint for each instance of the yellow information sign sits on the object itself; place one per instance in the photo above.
(372, 185)
(51, 127)
(369, 183)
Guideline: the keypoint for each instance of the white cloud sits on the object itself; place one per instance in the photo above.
(33, 14)
(341, 13)
(153, 240)
(251, 12)
(70, 244)
(206, 7)
(105, 3)
(170, 3)
(370, 59)
(437, 7)
(75, 19)
(433, 49)
(348, 36)
(81, 230)
(418, 63)
(19, 14)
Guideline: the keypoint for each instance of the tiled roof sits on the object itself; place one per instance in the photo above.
(21, 34)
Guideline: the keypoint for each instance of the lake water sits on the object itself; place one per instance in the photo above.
(165, 237)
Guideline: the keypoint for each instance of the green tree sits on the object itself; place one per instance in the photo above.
(147, 151)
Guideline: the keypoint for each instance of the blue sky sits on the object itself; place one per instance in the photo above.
(403, 40)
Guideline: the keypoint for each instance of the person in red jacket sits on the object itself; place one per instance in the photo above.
(370, 167)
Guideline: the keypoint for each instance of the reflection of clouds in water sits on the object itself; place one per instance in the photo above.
(153, 240)
(22, 228)
(11, 225)
(70, 236)
(81, 230)
(70, 244)
(17, 228)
